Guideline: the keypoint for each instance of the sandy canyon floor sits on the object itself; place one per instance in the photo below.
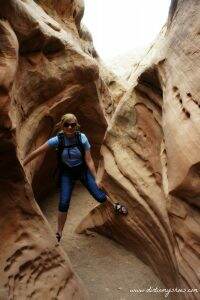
(107, 269)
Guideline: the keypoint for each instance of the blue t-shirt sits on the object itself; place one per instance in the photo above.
(71, 156)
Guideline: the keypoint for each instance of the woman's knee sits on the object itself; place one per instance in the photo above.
(101, 196)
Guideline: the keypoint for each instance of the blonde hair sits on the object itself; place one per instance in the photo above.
(68, 118)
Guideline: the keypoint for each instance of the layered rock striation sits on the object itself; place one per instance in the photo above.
(48, 67)
(147, 132)
(151, 155)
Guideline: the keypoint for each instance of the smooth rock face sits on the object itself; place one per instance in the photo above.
(150, 153)
(151, 156)
(58, 72)
(48, 67)
(32, 265)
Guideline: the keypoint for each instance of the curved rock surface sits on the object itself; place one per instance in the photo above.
(58, 71)
(29, 255)
(48, 67)
(151, 156)
(148, 135)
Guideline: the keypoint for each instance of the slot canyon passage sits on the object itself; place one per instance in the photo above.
(145, 135)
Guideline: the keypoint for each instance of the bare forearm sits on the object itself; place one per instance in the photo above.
(91, 166)
(31, 156)
(35, 153)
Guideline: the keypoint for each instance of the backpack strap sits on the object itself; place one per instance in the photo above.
(61, 146)
(59, 150)
(80, 144)
(61, 141)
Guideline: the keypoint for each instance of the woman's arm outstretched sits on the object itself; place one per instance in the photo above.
(36, 152)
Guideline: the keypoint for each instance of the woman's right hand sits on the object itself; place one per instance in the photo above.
(25, 161)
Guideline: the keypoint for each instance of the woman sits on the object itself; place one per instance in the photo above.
(74, 163)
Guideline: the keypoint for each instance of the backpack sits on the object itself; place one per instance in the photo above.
(62, 146)
(59, 150)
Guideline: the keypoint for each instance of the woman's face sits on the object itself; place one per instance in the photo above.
(69, 127)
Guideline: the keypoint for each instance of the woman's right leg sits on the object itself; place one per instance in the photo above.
(66, 186)
(62, 216)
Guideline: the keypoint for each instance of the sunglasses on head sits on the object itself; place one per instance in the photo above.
(69, 124)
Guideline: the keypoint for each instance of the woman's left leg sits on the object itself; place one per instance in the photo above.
(88, 181)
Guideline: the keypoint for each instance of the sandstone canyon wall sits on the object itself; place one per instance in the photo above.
(151, 156)
(148, 135)
(48, 67)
